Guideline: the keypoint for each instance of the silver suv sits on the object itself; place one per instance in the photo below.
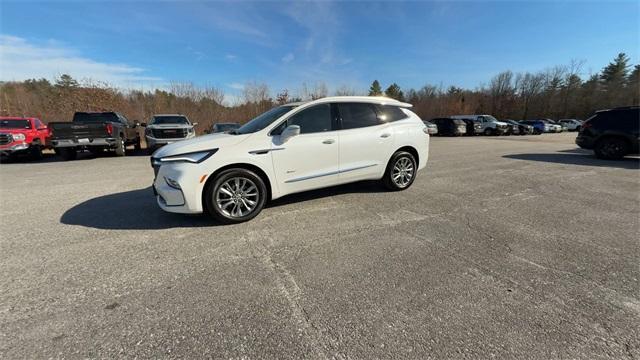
(490, 125)
(168, 128)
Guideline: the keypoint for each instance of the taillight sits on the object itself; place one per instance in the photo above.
(109, 129)
(585, 125)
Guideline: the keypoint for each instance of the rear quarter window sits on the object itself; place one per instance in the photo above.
(390, 113)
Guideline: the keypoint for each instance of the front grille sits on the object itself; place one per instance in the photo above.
(169, 133)
(5, 139)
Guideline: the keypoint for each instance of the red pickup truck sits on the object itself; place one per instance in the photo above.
(22, 135)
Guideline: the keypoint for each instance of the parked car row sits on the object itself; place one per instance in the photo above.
(96, 132)
(458, 125)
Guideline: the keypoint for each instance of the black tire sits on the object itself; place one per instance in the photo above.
(225, 199)
(138, 144)
(611, 148)
(35, 151)
(68, 154)
(120, 147)
(395, 169)
(488, 132)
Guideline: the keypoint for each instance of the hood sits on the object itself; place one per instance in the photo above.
(170, 126)
(502, 123)
(200, 143)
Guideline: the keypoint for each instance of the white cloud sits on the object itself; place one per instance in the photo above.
(288, 58)
(236, 86)
(21, 59)
(230, 57)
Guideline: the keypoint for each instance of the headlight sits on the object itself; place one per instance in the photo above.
(18, 137)
(193, 157)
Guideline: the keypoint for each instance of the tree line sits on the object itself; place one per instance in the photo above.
(558, 92)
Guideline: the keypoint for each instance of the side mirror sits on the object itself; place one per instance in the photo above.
(194, 124)
(289, 132)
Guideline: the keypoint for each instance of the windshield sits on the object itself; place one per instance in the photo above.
(159, 120)
(263, 120)
(15, 124)
(490, 118)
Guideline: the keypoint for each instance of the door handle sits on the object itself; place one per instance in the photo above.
(329, 141)
(385, 135)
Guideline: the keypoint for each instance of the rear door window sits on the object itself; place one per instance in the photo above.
(357, 115)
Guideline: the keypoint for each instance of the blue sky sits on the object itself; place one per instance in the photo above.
(227, 44)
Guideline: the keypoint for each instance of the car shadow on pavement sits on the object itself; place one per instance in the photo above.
(138, 210)
(579, 157)
(129, 210)
(357, 187)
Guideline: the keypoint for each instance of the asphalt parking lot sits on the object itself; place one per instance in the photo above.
(507, 247)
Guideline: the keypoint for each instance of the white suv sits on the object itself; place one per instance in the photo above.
(291, 148)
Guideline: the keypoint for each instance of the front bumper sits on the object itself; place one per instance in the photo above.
(153, 142)
(13, 147)
(184, 200)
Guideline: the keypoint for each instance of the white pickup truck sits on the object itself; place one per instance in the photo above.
(490, 125)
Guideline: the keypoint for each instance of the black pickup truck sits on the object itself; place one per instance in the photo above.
(96, 132)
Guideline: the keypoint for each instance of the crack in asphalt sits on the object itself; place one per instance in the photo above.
(288, 287)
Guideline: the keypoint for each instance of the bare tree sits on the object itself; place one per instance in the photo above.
(282, 97)
(344, 90)
(528, 86)
(501, 90)
(317, 91)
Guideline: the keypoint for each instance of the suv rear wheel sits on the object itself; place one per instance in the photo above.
(611, 148)
(401, 171)
(120, 147)
(235, 196)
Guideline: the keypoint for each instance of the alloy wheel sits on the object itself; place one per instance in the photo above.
(403, 172)
(237, 197)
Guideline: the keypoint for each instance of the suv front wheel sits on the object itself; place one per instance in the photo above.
(611, 148)
(401, 171)
(235, 196)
